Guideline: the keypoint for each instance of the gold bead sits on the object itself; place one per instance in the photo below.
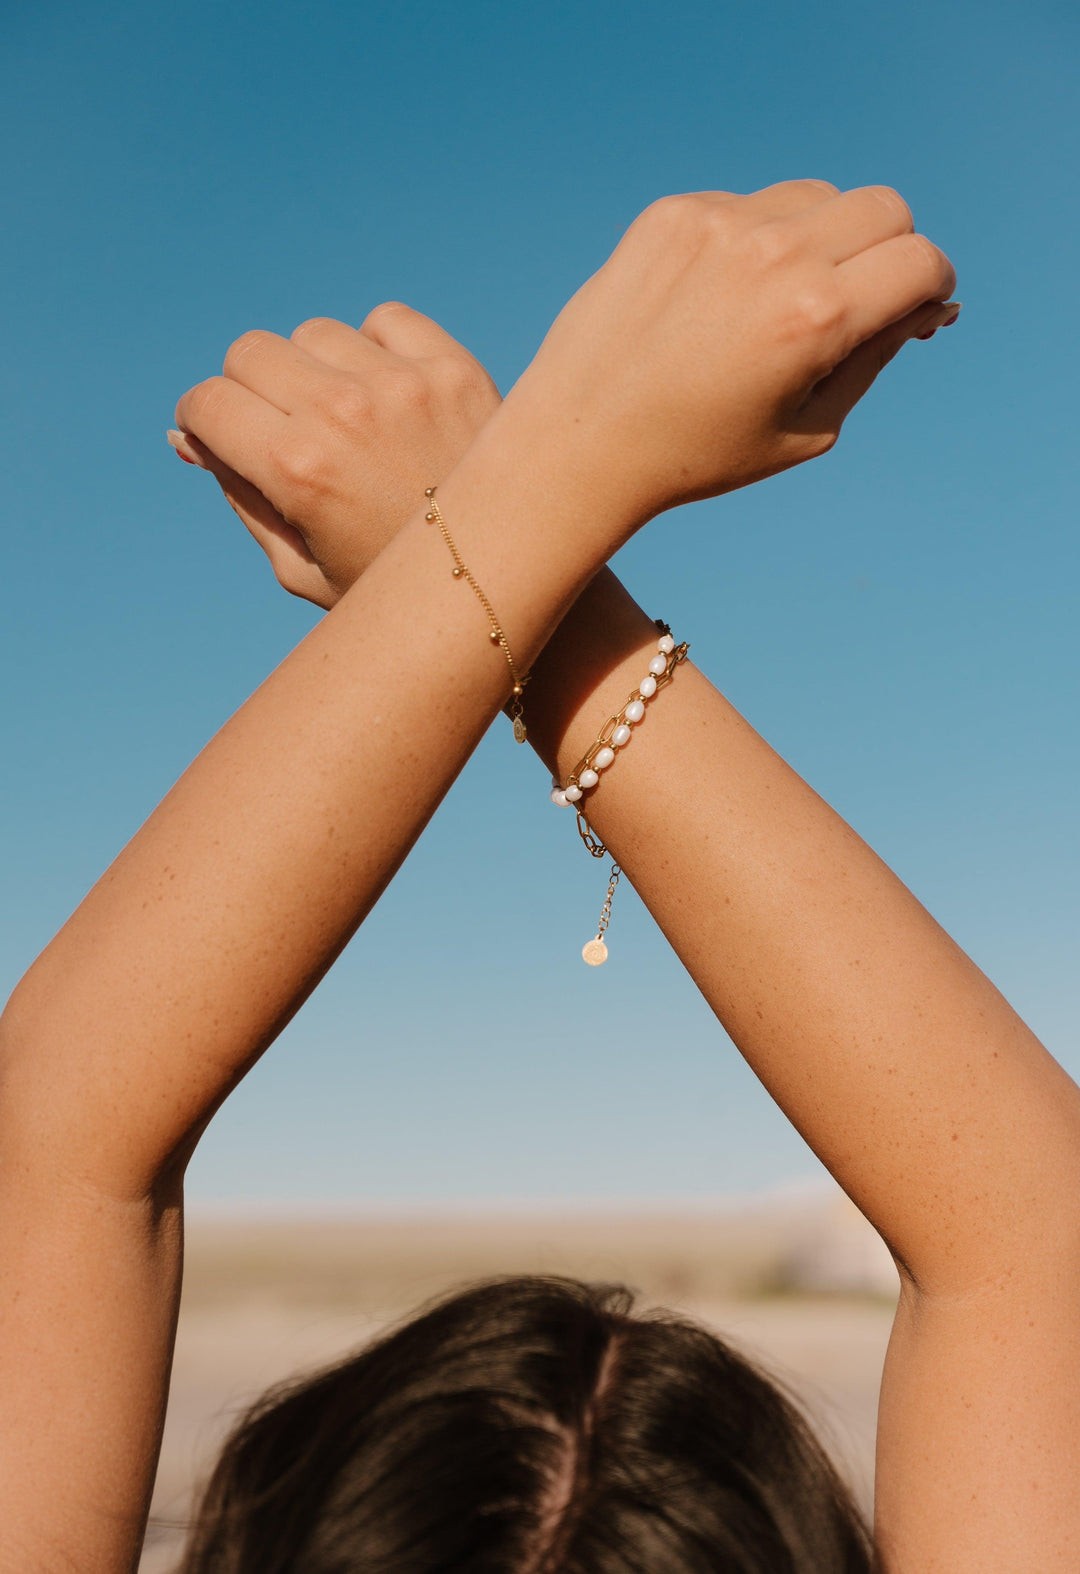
(518, 689)
(494, 637)
(430, 518)
(429, 491)
(458, 573)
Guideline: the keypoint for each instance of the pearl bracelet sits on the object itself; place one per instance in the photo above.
(617, 730)
(615, 734)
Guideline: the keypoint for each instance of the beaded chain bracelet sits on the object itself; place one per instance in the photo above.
(615, 734)
(496, 635)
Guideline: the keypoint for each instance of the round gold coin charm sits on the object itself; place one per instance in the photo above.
(594, 952)
(519, 729)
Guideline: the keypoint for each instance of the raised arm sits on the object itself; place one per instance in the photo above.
(913, 1080)
(188, 957)
(953, 1129)
(223, 912)
(930, 1101)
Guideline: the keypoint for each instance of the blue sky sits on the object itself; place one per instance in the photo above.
(898, 619)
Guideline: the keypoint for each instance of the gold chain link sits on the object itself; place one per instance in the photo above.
(605, 911)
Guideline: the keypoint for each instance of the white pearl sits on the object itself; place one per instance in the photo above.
(658, 666)
(620, 736)
(665, 645)
(588, 779)
(647, 687)
(634, 711)
(559, 798)
(603, 758)
(571, 793)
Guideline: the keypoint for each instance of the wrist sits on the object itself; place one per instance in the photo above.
(554, 448)
(593, 660)
(531, 521)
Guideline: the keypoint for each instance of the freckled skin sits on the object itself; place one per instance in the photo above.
(868, 1026)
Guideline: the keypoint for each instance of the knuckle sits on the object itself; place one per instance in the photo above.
(461, 370)
(347, 402)
(926, 255)
(299, 465)
(824, 442)
(813, 445)
(770, 242)
(312, 327)
(384, 310)
(825, 187)
(818, 310)
(202, 400)
(894, 203)
(475, 382)
(681, 213)
(248, 344)
(408, 387)
(455, 374)
(464, 384)
(287, 578)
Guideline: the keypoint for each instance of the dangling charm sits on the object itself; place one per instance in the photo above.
(517, 717)
(595, 952)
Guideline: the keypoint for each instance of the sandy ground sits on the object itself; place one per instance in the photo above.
(805, 1288)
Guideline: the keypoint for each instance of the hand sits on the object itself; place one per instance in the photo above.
(727, 338)
(324, 442)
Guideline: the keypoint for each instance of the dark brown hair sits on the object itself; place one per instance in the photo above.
(530, 1426)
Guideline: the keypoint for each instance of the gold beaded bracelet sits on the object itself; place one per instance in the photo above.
(496, 636)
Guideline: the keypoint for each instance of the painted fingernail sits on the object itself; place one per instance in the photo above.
(179, 441)
(944, 317)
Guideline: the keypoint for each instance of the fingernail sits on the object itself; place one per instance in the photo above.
(179, 441)
(943, 317)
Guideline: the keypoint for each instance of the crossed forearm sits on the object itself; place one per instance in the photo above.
(896, 1059)
(221, 915)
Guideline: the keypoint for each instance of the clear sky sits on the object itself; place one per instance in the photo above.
(898, 619)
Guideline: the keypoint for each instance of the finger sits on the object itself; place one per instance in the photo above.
(408, 333)
(185, 448)
(836, 395)
(792, 196)
(288, 553)
(883, 284)
(849, 223)
(244, 431)
(336, 344)
(278, 370)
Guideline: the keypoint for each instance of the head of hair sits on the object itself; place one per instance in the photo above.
(530, 1426)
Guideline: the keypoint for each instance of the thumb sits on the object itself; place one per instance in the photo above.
(837, 394)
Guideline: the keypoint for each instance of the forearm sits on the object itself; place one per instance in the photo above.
(230, 903)
(900, 1064)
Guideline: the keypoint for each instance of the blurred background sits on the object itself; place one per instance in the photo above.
(898, 619)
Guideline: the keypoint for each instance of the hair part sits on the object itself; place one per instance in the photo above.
(530, 1426)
